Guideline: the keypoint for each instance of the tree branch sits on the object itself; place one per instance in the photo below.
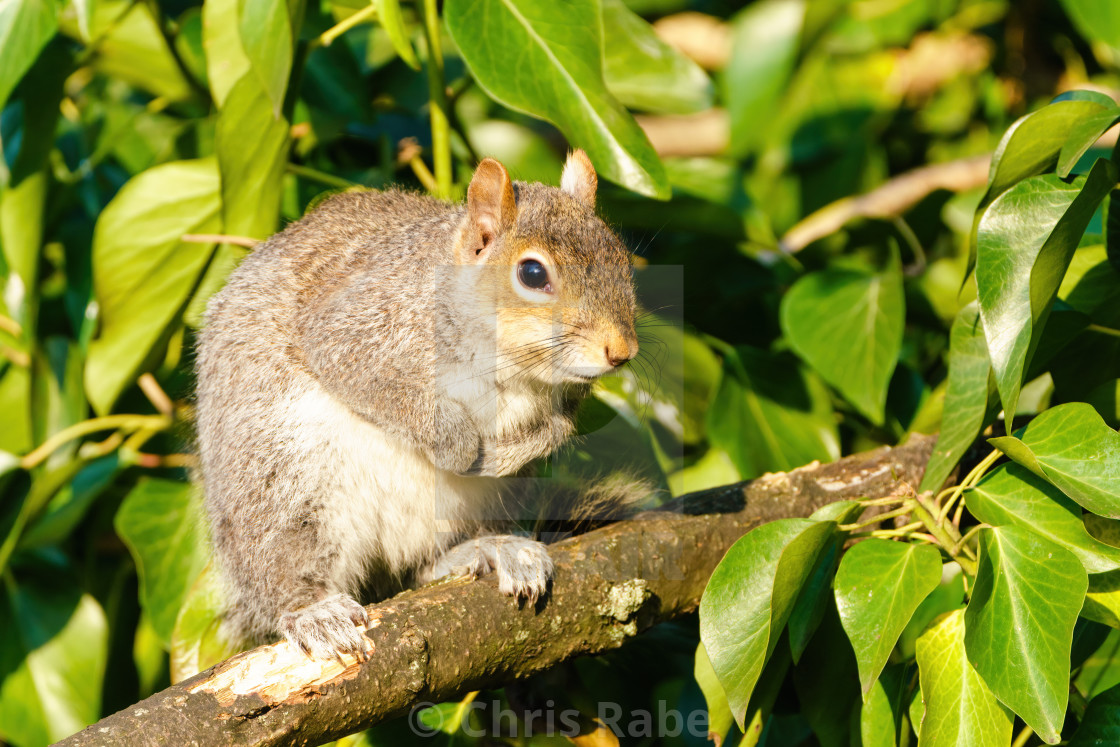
(442, 641)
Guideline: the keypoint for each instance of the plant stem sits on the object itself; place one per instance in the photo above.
(876, 519)
(1023, 736)
(437, 92)
(340, 28)
(423, 173)
(319, 176)
(218, 238)
(943, 535)
(11, 326)
(1104, 330)
(970, 479)
(86, 427)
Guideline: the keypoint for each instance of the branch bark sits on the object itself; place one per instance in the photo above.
(442, 641)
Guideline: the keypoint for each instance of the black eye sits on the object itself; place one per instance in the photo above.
(533, 274)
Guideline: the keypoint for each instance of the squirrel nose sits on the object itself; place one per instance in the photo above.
(620, 350)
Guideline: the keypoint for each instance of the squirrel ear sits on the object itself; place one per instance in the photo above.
(490, 205)
(579, 179)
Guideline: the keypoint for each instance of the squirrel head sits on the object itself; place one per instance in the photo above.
(560, 279)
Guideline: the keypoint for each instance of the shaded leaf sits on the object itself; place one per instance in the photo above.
(1025, 241)
(847, 324)
(160, 522)
(966, 397)
(1100, 727)
(749, 597)
(959, 707)
(880, 715)
(769, 415)
(1019, 623)
(25, 28)
(558, 77)
(878, 586)
(644, 72)
(143, 274)
(1071, 447)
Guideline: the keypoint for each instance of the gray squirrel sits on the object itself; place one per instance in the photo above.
(369, 376)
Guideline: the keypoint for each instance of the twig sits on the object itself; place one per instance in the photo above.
(889, 199)
(155, 394)
(86, 427)
(218, 238)
(320, 176)
(365, 14)
(437, 93)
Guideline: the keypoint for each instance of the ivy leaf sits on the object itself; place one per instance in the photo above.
(558, 76)
(226, 61)
(1011, 496)
(719, 712)
(56, 642)
(878, 586)
(159, 521)
(266, 36)
(1083, 136)
(847, 324)
(959, 707)
(1019, 623)
(881, 711)
(644, 72)
(966, 397)
(196, 640)
(1071, 447)
(390, 18)
(1030, 147)
(142, 272)
(1025, 241)
(749, 597)
(1096, 19)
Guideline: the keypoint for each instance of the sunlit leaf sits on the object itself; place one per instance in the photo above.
(1071, 447)
(390, 18)
(644, 72)
(1096, 19)
(160, 522)
(226, 61)
(53, 659)
(719, 712)
(143, 272)
(196, 640)
(847, 324)
(266, 36)
(1019, 623)
(959, 707)
(1025, 241)
(558, 76)
(749, 597)
(878, 586)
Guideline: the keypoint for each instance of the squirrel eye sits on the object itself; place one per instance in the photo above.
(533, 274)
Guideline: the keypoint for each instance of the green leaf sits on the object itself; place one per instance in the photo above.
(226, 61)
(25, 28)
(880, 715)
(1031, 146)
(558, 76)
(948, 596)
(966, 397)
(252, 147)
(1102, 600)
(266, 36)
(749, 597)
(1012, 496)
(1019, 623)
(769, 415)
(765, 39)
(812, 602)
(56, 643)
(878, 586)
(1025, 241)
(389, 15)
(847, 324)
(719, 712)
(159, 520)
(1100, 727)
(1071, 447)
(959, 707)
(1082, 137)
(1096, 19)
(644, 72)
(196, 641)
(142, 273)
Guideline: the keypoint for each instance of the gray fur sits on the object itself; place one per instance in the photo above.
(369, 374)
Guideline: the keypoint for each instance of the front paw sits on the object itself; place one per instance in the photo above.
(522, 565)
(325, 629)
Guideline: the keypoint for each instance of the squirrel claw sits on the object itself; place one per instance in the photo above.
(522, 565)
(328, 628)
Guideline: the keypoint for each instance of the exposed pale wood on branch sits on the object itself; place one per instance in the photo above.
(440, 642)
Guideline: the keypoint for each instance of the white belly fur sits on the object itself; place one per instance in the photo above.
(383, 498)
